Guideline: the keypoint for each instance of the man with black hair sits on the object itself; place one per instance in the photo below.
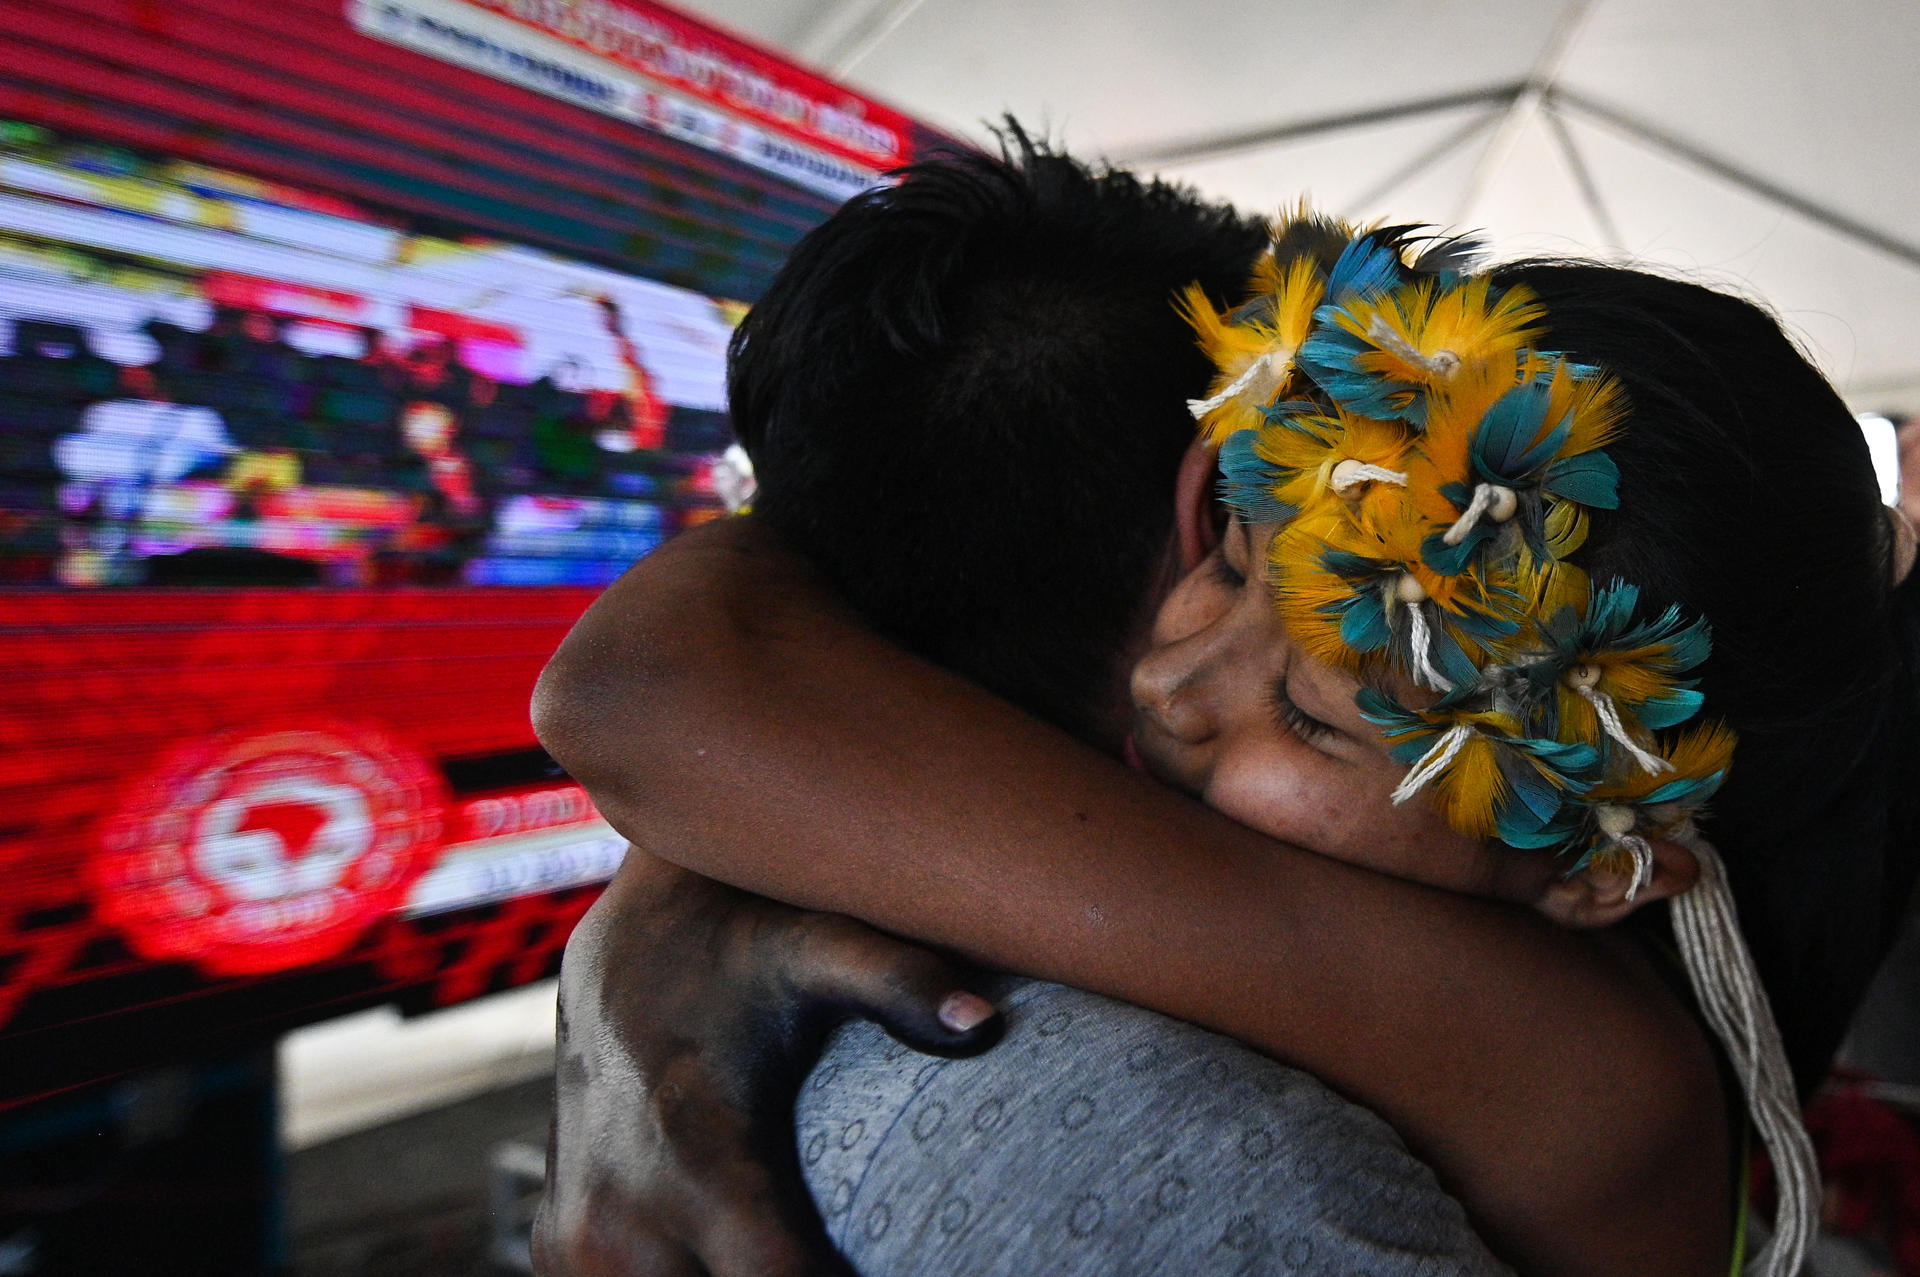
(953, 366)
(964, 399)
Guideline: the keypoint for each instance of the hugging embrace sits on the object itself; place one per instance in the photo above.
(1498, 633)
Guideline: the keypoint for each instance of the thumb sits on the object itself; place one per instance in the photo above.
(915, 994)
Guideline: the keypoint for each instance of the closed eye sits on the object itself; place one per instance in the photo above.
(1295, 719)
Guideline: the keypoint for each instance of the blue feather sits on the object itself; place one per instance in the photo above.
(1535, 840)
(1590, 478)
(1446, 655)
(1363, 623)
(1576, 761)
(1383, 711)
(1409, 752)
(1366, 269)
(1501, 450)
(1691, 643)
(1354, 567)
(1247, 480)
(1452, 560)
(1551, 360)
(1663, 712)
(1694, 789)
(1531, 788)
(1329, 357)
(1491, 620)
(1612, 607)
(1412, 734)
(1292, 413)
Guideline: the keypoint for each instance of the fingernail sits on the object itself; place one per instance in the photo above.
(963, 1012)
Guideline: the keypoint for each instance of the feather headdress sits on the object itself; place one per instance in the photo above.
(1433, 468)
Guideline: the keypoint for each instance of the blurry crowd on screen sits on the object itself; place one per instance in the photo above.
(86, 443)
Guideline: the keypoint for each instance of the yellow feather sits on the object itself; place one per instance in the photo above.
(1272, 340)
(1396, 537)
(1471, 791)
(1267, 273)
(1697, 751)
(1454, 411)
(1427, 321)
(1597, 405)
(1627, 676)
(1579, 722)
(1551, 584)
(1703, 749)
(1303, 587)
(1398, 531)
(1566, 528)
(1298, 294)
(1310, 449)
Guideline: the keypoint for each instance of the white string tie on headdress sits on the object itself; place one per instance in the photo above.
(1642, 852)
(1433, 762)
(1420, 641)
(1277, 362)
(1441, 363)
(1351, 473)
(1609, 714)
(1617, 823)
(1490, 500)
(1730, 995)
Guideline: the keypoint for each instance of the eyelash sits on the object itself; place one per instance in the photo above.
(1295, 719)
(1291, 716)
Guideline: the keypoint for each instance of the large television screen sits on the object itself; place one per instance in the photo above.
(207, 378)
(346, 350)
(263, 409)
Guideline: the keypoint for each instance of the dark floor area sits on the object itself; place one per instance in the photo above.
(411, 1198)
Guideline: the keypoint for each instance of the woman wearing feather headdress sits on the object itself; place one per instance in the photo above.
(1515, 557)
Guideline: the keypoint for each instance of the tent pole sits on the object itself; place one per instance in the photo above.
(1524, 106)
(1213, 146)
(846, 31)
(1418, 165)
(1583, 177)
(1832, 219)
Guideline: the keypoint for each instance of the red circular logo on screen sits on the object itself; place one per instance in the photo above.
(255, 852)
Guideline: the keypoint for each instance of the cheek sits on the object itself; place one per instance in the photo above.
(1343, 809)
(1288, 790)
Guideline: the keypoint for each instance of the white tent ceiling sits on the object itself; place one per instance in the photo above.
(1768, 146)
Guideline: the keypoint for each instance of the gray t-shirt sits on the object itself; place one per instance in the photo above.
(1101, 1139)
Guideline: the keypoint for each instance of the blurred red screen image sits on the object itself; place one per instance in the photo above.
(346, 351)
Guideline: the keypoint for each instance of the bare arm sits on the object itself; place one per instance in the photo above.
(731, 717)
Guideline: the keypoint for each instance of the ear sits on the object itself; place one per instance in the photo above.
(1196, 510)
(1597, 895)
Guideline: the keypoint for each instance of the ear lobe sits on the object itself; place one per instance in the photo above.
(1196, 527)
(1597, 895)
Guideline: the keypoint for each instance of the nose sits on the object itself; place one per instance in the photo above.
(1170, 688)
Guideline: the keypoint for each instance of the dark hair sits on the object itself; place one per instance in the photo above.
(1747, 497)
(963, 400)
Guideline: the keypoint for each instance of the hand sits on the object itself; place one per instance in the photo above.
(689, 1012)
